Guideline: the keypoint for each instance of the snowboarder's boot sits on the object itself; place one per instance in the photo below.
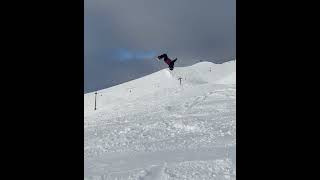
(163, 56)
(171, 65)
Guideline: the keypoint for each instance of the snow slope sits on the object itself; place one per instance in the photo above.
(155, 128)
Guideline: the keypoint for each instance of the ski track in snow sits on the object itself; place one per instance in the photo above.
(162, 130)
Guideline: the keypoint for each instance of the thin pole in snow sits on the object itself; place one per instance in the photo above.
(95, 101)
(180, 80)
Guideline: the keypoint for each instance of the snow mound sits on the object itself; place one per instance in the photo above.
(165, 81)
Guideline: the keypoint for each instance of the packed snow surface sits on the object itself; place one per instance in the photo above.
(156, 128)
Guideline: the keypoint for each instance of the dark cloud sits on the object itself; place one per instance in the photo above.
(188, 30)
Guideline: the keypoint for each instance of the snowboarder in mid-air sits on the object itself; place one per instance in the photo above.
(168, 60)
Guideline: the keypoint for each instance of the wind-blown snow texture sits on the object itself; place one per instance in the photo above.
(155, 128)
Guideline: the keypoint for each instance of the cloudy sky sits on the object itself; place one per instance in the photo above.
(123, 37)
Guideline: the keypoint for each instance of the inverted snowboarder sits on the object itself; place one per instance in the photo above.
(168, 60)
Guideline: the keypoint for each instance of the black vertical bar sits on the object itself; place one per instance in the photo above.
(95, 101)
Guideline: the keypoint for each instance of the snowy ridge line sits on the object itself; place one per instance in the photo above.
(215, 60)
(173, 73)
